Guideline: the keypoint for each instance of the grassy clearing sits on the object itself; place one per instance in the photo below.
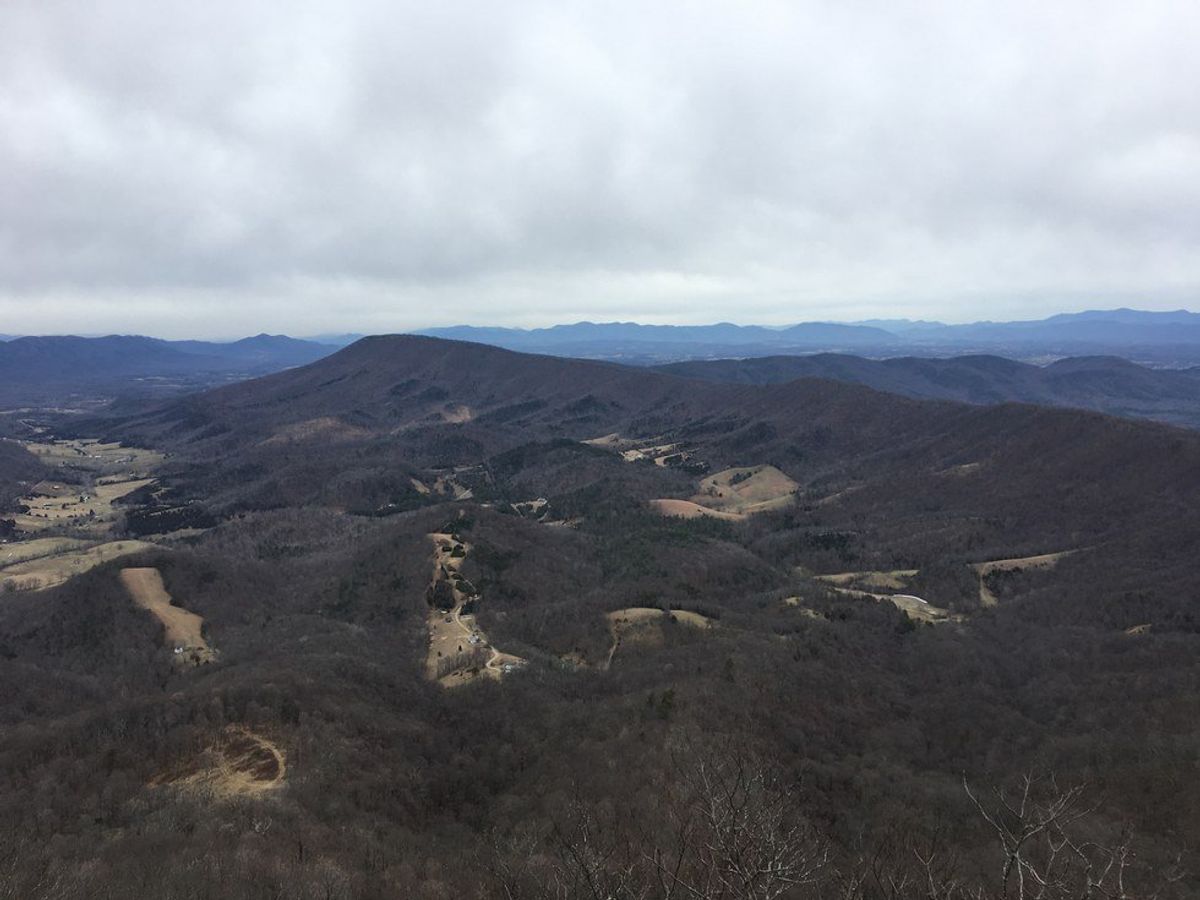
(914, 607)
(53, 569)
(984, 569)
(895, 580)
(686, 509)
(239, 763)
(643, 625)
(746, 490)
(182, 629)
(23, 551)
(94, 456)
(733, 494)
(88, 509)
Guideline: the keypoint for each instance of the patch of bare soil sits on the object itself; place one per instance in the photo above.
(456, 414)
(238, 763)
(182, 629)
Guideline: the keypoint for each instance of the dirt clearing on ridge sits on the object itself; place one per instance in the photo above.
(239, 763)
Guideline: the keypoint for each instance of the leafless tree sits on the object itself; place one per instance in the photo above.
(733, 834)
(1041, 830)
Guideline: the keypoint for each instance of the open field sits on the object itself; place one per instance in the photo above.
(686, 509)
(644, 624)
(239, 763)
(733, 494)
(54, 568)
(183, 630)
(89, 509)
(746, 490)
(94, 456)
(884, 581)
(984, 569)
(22, 551)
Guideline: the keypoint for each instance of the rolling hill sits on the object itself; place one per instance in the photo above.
(418, 401)
(1105, 384)
(445, 602)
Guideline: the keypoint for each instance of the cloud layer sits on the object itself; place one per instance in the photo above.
(218, 168)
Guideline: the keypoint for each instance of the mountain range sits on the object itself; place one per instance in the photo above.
(1103, 383)
(1169, 338)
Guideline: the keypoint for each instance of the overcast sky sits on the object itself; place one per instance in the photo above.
(215, 169)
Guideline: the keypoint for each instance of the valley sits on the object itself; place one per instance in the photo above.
(63, 524)
(406, 605)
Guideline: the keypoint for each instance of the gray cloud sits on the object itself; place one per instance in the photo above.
(221, 168)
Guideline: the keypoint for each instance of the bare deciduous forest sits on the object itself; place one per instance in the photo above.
(782, 730)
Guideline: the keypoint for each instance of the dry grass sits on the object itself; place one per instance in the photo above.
(239, 763)
(733, 494)
(57, 504)
(94, 456)
(914, 607)
(182, 629)
(746, 490)
(686, 509)
(54, 569)
(22, 551)
(652, 449)
(606, 440)
(983, 569)
(643, 625)
(883, 581)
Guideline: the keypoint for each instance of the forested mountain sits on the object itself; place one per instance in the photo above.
(680, 623)
(1104, 384)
